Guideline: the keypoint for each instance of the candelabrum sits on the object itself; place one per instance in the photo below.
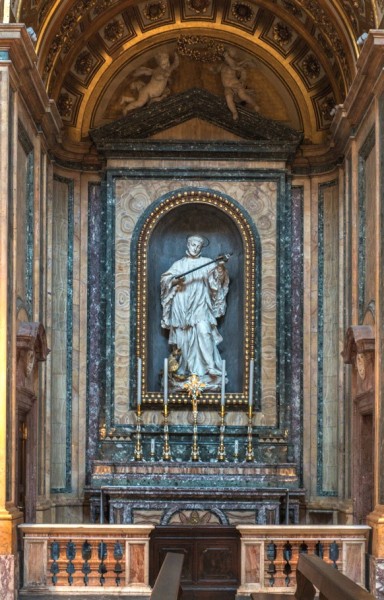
(152, 453)
(195, 448)
(166, 448)
(221, 449)
(138, 453)
(194, 387)
(236, 451)
(249, 456)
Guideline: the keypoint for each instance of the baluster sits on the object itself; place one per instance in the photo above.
(287, 555)
(86, 553)
(71, 554)
(271, 555)
(334, 553)
(303, 548)
(102, 566)
(319, 549)
(118, 555)
(55, 554)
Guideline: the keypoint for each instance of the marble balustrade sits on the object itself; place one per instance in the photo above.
(269, 554)
(59, 558)
(114, 559)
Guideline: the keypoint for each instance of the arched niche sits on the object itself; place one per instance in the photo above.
(161, 239)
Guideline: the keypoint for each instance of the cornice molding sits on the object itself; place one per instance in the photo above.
(368, 81)
(18, 54)
(260, 137)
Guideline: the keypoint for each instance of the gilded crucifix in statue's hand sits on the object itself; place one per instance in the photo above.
(193, 297)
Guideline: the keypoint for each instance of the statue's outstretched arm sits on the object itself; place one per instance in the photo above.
(176, 62)
(142, 71)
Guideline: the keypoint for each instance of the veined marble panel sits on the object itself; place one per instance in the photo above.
(259, 199)
(370, 228)
(328, 344)
(7, 577)
(59, 345)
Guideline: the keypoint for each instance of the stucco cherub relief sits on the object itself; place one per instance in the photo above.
(154, 90)
(233, 78)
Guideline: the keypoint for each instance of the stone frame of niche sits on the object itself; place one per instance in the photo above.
(31, 348)
(359, 351)
(251, 301)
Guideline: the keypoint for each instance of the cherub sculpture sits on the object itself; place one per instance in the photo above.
(233, 77)
(157, 88)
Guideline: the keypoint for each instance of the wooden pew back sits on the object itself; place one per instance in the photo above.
(312, 572)
(167, 584)
(332, 584)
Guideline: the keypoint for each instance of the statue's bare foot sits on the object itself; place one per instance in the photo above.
(214, 373)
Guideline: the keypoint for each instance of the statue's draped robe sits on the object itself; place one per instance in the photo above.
(191, 314)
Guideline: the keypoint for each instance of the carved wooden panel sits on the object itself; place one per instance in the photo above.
(212, 559)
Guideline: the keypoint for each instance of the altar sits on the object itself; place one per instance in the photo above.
(186, 493)
(200, 278)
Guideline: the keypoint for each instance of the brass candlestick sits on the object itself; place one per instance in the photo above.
(236, 451)
(195, 448)
(166, 448)
(138, 453)
(152, 454)
(221, 449)
(194, 386)
(249, 456)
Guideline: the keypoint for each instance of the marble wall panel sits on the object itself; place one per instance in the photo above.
(370, 229)
(24, 223)
(95, 320)
(251, 564)
(377, 577)
(22, 164)
(59, 348)
(7, 577)
(353, 561)
(34, 564)
(328, 344)
(137, 563)
(259, 198)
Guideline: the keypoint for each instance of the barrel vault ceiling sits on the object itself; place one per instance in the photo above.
(300, 54)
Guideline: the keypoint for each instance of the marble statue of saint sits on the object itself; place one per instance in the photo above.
(156, 88)
(233, 77)
(192, 302)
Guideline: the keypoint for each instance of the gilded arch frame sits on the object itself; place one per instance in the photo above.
(251, 291)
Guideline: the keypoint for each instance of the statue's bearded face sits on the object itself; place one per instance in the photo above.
(194, 245)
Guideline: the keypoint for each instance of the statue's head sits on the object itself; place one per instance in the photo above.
(194, 244)
(163, 59)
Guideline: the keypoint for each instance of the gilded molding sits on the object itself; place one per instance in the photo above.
(236, 215)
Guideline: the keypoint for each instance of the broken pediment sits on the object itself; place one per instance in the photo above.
(358, 339)
(252, 134)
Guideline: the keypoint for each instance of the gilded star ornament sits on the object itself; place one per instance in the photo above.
(194, 387)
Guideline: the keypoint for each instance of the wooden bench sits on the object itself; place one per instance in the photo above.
(167, 584)
(313, 572)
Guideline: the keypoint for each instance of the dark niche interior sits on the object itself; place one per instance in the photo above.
(168, 244)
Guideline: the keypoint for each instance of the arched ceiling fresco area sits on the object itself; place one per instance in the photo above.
(300, 54)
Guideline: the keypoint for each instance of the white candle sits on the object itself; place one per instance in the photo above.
(139, 367)
(251, 369)
(153, 446)
(165, 381)
(236, 446)
(223, 383)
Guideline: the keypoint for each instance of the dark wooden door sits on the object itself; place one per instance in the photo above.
(211, 568)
